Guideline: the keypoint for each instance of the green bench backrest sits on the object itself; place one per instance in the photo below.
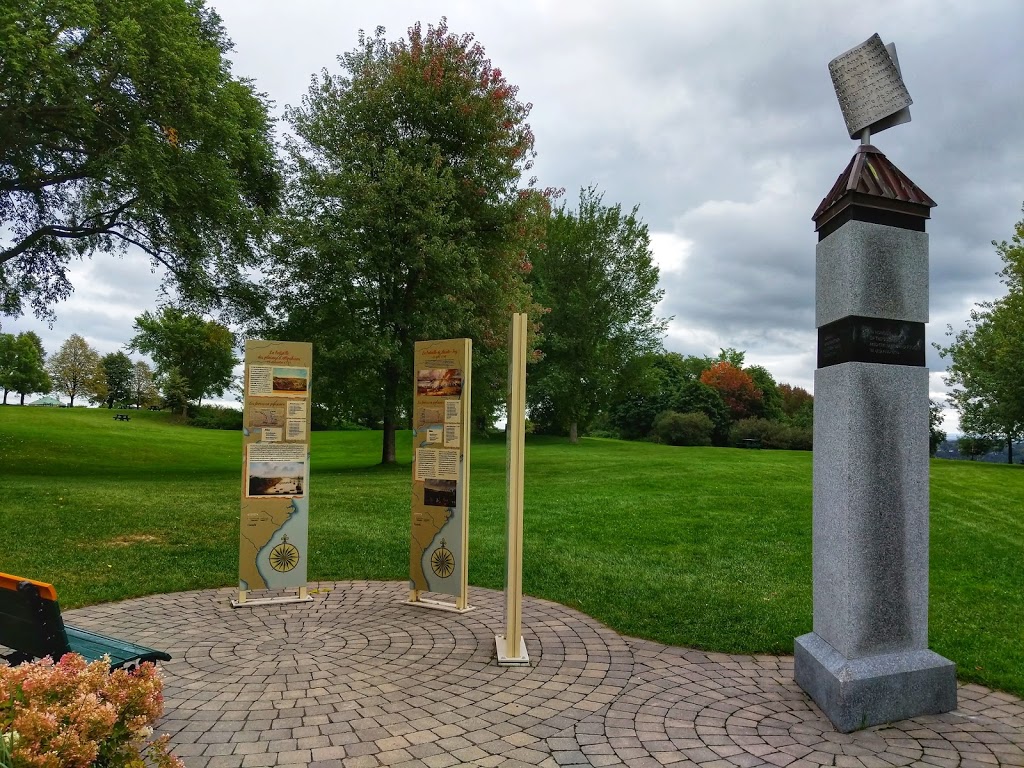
(30, 623)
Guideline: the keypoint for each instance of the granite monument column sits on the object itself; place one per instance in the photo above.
(867, 660)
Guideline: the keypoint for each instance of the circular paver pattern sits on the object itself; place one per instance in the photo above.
(688, 707)
(359, 678)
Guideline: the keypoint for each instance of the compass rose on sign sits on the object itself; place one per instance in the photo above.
(284, 557)
(442, 561)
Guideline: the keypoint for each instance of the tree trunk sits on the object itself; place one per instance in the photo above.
(1009, 449)
(22, 398)
(72, 405)
(574, 436)
(392, 379)
(5, 396)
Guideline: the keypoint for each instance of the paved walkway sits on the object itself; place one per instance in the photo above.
(359, 678)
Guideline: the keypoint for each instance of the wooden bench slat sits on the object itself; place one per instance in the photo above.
(7, 581)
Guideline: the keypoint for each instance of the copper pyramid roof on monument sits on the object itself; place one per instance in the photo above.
(871, 179)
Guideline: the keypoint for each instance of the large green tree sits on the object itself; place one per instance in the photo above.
(37, 342)
(73, 367)
(197, 350)
(22, 365)
(405, 216)
(6, 361)
(936, 435)
(121, 125)
(143, 387)
(114, 385)
(770, 406)
(669, 382)
(598, 279)
(986, 368)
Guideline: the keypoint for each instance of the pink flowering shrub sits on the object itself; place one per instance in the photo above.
(76, 715)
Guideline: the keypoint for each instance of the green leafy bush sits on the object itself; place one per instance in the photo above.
(683, 428)
(216, 417)
(772, 434)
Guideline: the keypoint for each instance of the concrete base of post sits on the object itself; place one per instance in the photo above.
(504, 660)
(859, 693)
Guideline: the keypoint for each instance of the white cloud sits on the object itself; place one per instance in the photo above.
(670, 251)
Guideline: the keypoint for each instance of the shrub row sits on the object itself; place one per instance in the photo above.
(674, 428)
(216, 417)
(683, 428)
(772, 434)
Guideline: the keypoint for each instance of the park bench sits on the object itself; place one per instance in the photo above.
(32, 627)
(122, 417)
(749, 442)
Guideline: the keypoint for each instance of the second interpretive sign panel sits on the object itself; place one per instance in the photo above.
(275, 477)
(440, 488)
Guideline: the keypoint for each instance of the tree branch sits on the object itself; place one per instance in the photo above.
(38, 183)
(109, 221)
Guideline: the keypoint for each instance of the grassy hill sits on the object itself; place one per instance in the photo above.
(705, 547)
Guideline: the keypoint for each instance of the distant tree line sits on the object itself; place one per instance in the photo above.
(693, 400)
(194, 359)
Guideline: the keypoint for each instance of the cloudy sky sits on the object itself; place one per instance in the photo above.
(717, 118)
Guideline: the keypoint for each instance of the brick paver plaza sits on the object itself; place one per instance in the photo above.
(359, 678)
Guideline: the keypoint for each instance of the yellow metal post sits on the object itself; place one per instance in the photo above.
(511, 647)
(462, 601)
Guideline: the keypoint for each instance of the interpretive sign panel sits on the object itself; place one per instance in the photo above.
(275, 476)
(440, 487)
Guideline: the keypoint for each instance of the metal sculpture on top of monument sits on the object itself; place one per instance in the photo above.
(867, 660)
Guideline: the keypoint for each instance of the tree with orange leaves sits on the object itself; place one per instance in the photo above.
(735, 386)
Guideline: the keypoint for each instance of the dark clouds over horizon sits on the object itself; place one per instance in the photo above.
(718, 119)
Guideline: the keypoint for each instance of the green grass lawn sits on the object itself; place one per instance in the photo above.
(703, 547)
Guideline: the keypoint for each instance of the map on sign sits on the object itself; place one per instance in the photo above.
(266, 542)
(431, 531)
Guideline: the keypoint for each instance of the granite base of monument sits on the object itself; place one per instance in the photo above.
(870, 541)
(867, 661)
(860, 693)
